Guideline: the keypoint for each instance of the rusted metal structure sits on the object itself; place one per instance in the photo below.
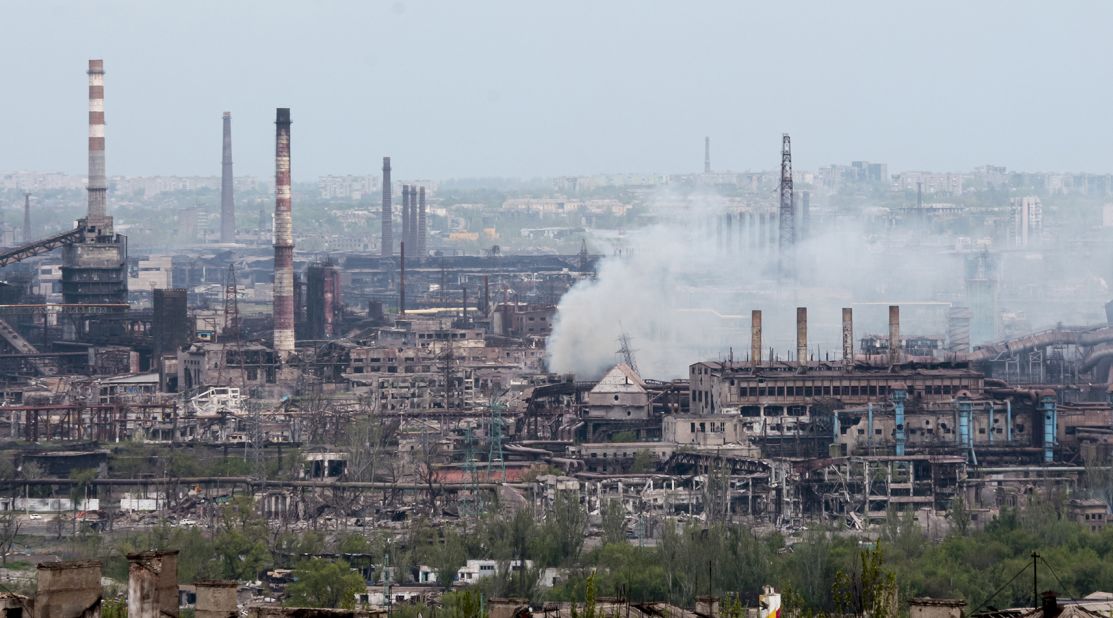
(422, 231)
(78, 422)
(387, 241)
(227, 198)
(283, 240)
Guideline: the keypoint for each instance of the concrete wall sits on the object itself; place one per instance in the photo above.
(68, 590)
(936, 608)
(216, 599)
(153, 584)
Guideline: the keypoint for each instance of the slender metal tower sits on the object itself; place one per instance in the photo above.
(422, 232)
(707, 155)
(787, 238)
(388, 212)
(227, 199)
(283, 240)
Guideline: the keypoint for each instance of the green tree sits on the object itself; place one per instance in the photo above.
(643, 462)
(870, 590)
(562, 534)
(463, 604)
(324, 583)
(241, 540)
(448, 558)
(613, 516)
(959, 515)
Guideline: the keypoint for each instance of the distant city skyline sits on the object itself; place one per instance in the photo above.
(507, 89)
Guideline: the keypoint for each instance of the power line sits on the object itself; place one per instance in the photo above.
(1053, 573)
(998, 591)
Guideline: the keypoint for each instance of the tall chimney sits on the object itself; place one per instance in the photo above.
(227, 200)
(848, 334)
(283, 240)
(406, 215)
(464, 302)
(485, 307)
(388, 213)
(422, 232)
(402, 276)
(755, 336)
(894, 334)
(805, 215)
(802, 335)
(98, 182)
(413, 222)
(26, 217)
(707, 155)
(919, 195)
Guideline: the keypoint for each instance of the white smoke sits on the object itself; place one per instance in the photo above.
(682, 290)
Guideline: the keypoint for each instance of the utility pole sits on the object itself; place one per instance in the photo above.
(1035, 580)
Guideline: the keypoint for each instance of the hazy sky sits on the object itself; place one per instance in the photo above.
(541, 88)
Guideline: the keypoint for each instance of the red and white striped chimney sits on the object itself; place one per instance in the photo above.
(98, 182)
(283, 240)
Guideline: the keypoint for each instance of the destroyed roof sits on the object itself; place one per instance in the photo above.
(134, 378)
(620, 379)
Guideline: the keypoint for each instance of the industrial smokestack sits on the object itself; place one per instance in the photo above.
(894, 334)
(98, 182)
(422, 232)
(802, 335)
(406, 194)
(26, 217)
(464, 302)
(787, 239)
(227, 200)
(707, 155)
(919, 195)
(412, 238)
(848, 334)
(402, 275)
(283, 240)
(388, 213)
(755, 336)
(485, 308)
(805, 215)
